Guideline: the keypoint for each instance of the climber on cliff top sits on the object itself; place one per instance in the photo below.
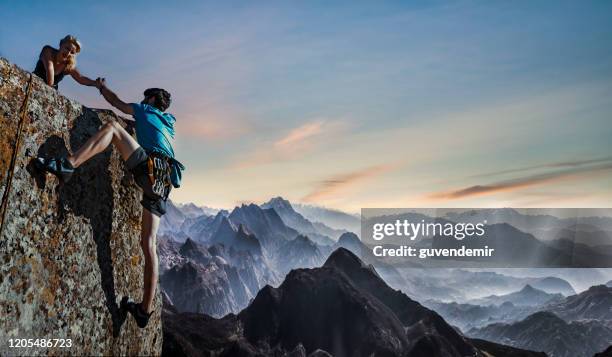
(150, 158)
(53, 64)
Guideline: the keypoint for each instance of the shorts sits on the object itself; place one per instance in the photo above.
(137, 164)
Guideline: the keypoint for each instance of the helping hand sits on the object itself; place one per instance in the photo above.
(100, 82)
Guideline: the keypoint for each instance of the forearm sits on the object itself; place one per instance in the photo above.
(113, 99)
(86, 81)
(110, 96)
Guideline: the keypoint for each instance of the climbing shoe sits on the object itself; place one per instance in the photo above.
(141, 317)
(59, 166)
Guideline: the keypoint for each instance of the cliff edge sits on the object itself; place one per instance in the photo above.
(68, 252)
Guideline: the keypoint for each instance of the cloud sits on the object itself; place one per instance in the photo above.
(297, 141)
(522, 182)
(563, 164)
(331, 187)
(299, 135)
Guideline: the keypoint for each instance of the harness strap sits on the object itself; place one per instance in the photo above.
(11, 170)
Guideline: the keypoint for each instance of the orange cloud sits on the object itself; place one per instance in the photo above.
(331, 187)
(297, 141)
(521, 182)
(299, 135)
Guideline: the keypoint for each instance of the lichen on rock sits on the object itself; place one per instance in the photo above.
(68, 252)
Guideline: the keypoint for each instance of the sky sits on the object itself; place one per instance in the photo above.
(356, 104)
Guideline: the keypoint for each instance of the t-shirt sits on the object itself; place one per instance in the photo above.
(155, 133)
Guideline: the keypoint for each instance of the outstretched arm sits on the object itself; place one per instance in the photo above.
(112, 98)
(81, 79)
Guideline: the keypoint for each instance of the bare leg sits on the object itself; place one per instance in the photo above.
(110, 132)
(150, 223)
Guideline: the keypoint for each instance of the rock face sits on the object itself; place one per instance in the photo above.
(69, 252)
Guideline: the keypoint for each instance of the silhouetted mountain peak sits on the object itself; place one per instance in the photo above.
(344, 260)
(302, 310)
(189, 245)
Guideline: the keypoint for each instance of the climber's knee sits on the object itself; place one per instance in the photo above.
(115, 128)
(108, 126)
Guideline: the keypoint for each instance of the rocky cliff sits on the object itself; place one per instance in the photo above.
(68, 252)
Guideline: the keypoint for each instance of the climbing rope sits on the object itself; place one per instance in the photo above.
(23, 112)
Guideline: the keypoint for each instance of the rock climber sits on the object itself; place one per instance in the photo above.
(53, 64)
(151, 160)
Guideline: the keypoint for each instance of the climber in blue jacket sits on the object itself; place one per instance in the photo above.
(150, 158)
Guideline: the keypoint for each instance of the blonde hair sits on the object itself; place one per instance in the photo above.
(72, 58)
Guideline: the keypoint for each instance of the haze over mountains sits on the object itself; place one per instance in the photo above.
(250, 267)
(545, 331)
(217, 263)
(527, 296)
(341, 309)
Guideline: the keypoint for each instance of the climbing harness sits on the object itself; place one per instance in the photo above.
(9, 178)
(158, 170)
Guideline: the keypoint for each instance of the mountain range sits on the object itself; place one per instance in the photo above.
(216, 279)
(577, 325)
(316, 231)
(528, 296)
(332, 218)
(341, 309)
(545, 331)
(248, 272)
(594, 303)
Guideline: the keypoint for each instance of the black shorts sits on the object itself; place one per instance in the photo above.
(150, 201)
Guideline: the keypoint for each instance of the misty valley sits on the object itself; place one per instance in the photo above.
(278, 280)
